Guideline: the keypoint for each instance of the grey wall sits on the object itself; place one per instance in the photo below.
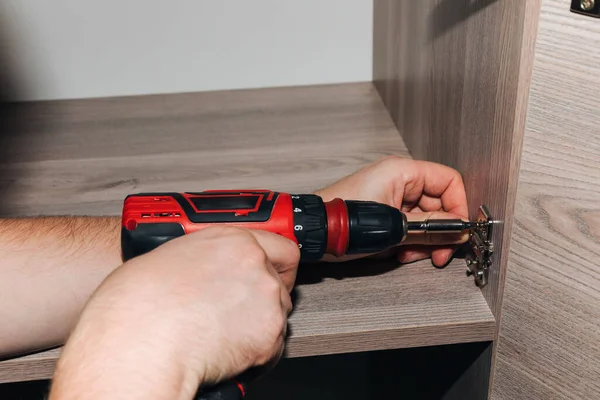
(89, 48)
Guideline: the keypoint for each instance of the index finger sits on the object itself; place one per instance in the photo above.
(445, 183)
(283, 253)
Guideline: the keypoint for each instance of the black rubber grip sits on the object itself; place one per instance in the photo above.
(229, 390)
(374, 227)
(147, 237)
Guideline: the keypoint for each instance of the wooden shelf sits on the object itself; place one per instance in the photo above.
(85, 156)
(358, 307)
(369, 306)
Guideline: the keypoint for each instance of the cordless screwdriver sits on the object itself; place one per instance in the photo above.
(337, 227)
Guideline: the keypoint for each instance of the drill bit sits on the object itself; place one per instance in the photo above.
(441, 226)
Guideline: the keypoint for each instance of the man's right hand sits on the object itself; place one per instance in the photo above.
(199, 309)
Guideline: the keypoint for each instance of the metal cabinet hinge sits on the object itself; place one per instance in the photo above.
(479, 258)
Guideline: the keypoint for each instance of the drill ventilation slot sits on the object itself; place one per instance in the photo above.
(479, 259)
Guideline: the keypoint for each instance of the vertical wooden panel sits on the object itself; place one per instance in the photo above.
(550, 330)
(456, 81)
(452, 80)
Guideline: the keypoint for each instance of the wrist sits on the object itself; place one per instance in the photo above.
(129, 351)
(98, 366)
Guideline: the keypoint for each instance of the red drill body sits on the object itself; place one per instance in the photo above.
(336, 227)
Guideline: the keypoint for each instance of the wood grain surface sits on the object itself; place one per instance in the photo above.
(455, 77)
(83, 157)
(356, 308)
(550, 328)
(450, 73)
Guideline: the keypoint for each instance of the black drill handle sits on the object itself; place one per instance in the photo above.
(228, 390)
(236, 388)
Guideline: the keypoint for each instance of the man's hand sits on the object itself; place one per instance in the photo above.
(421, 189)
(199, 309)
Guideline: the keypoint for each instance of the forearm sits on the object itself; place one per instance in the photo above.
(50, 267)
(118, 368)
(122, 348)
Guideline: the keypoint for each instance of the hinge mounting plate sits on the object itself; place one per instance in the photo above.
(479, 259)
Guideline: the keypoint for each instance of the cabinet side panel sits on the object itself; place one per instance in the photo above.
(549, 332)
(454, 86)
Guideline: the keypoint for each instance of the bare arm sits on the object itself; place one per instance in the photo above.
(152, 331)
(50, 268)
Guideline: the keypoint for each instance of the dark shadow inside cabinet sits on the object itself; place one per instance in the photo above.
(422, 373)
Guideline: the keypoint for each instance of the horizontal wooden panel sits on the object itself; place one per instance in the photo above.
(358, 307)
(84, 157)
(377, 306)
(29, 368)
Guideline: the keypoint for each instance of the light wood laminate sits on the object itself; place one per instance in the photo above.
(344, 309)
(451, 74)
(85, 156)
(455, 77)
(550, 327)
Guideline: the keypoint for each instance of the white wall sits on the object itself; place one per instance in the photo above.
(90, 48)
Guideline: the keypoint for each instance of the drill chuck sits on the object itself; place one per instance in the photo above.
(374, 227)
(344, 227)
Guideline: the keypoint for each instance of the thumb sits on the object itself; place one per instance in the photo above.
(435, 238)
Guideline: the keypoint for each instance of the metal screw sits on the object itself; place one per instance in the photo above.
(587, 5)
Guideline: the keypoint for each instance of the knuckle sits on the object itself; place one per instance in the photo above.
(391, 160)
(271, 288)
(276, 327)
(271, 351)
(278, 324)
(457, 175)
(287, 304)
(253, 253)
(454, 176)
(293, 252)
